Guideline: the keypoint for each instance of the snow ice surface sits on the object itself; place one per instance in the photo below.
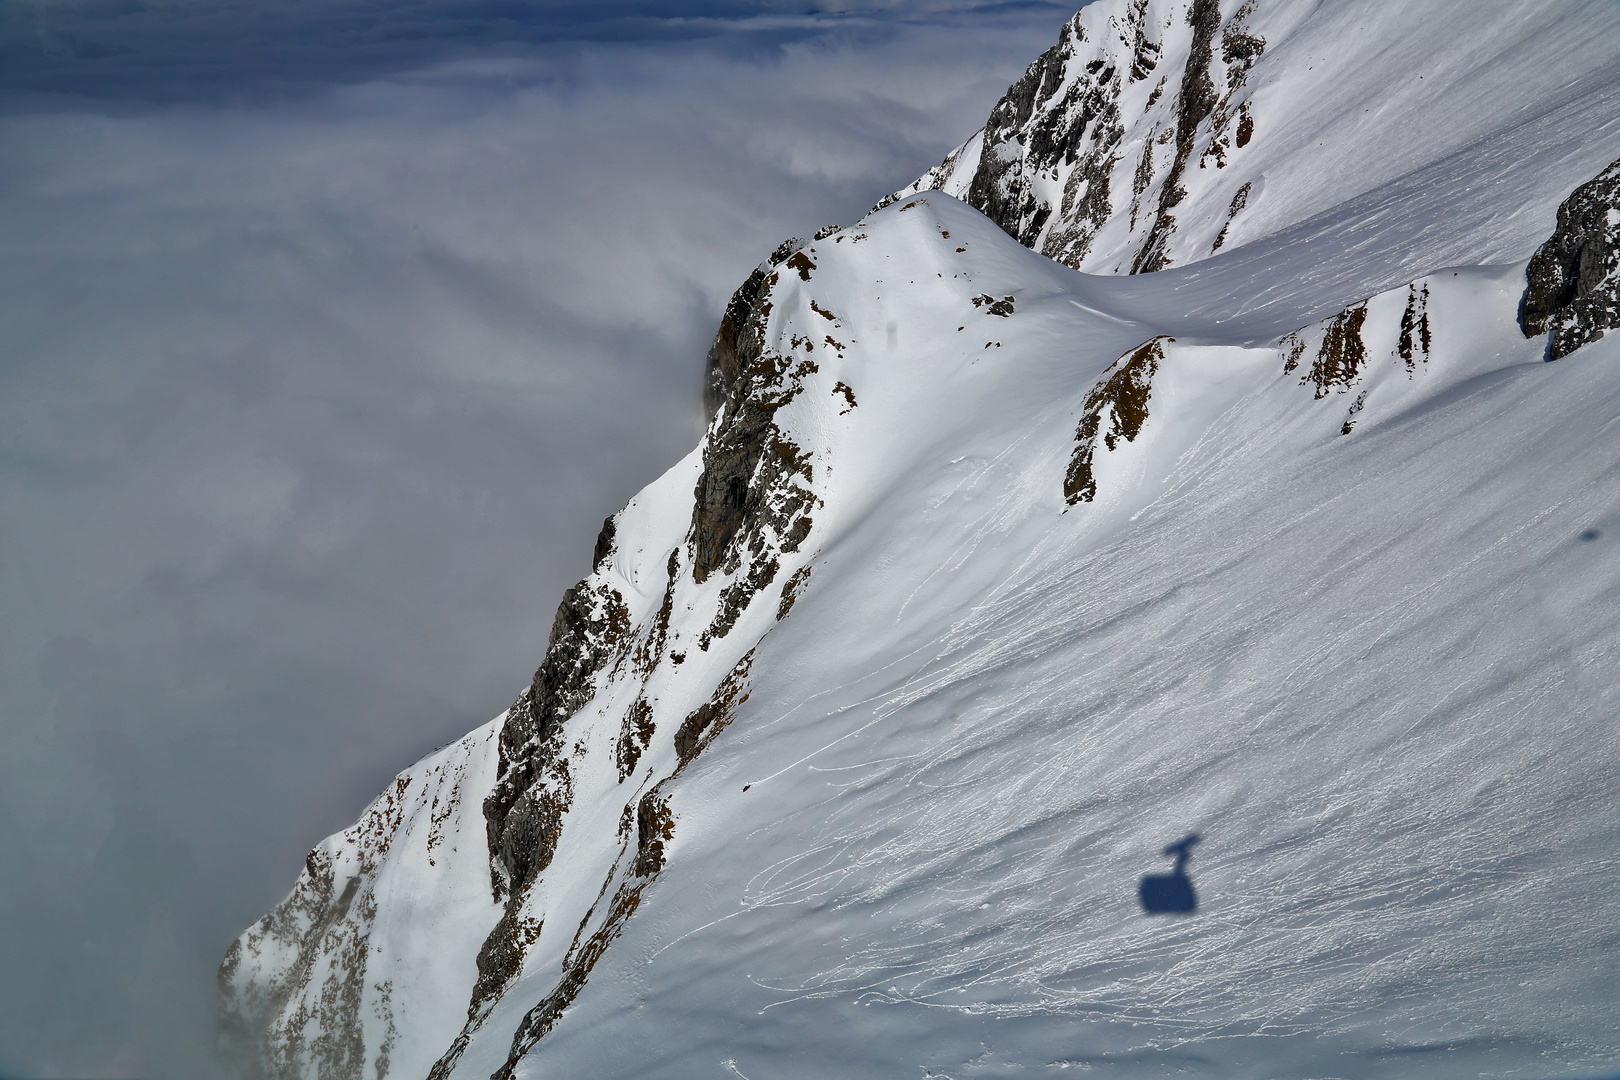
(1361, 634)
(1375, 672)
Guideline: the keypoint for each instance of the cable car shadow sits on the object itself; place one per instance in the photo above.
(1172, 893)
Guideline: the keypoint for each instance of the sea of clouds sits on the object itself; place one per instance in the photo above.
(329, 333)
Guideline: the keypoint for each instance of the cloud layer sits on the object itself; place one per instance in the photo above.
(209, 50)
(311, 404)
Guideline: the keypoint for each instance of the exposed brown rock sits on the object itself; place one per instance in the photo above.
(1123, 398)
(792, 588)
(735, 598)
(732, 350)
(523, 812)
(634, 735)
(753, 496)
(802, 263)
(700, 728)
(1342, 354)
(652, 644)
(654, 825)
(577, 965)
(1415, 339)
(1245, 130)
(501, 956)
(727, 355)
(842, 387)
(1239, 201)
(1296, 348)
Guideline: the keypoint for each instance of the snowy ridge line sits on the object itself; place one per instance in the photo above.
(751, 513)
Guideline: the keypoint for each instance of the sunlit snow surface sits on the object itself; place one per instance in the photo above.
(1378, 672)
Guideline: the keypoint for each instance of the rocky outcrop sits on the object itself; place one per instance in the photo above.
(1573, 289)
(1197, 100)
(1385, 336)
(533, 787)
(753, 498)
(750, 512)
(1340, 356)
(301, 984)
(1387, 340)
(707, 721)
(634, 870)
(1054, 114)
(1116, 409)
(1086, 141)
(734, 348)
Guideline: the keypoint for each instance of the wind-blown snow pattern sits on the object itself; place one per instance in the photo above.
(991, 578)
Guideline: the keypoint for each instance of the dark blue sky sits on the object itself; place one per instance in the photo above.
(213, 50)
(329, 333)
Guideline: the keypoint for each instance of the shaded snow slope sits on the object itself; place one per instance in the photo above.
(989, 579)
(1157, 132)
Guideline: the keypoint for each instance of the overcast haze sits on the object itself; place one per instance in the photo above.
(328, 336)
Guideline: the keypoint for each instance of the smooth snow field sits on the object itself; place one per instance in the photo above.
(1362, 638)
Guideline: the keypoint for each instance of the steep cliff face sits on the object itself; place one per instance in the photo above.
(1108, 121)
(988, 577)
(647, 663)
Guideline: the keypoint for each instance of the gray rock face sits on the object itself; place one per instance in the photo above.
(1198, 99)
(731, 351)
(523, 813)
(755, 479)
(1092, 152)
(1047, 115)
(1573, 283)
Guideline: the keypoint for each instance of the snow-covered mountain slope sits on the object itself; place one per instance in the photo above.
(365, 964)
(991, 578)
(1157, 132)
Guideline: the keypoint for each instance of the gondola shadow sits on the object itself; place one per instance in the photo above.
(1172, 893)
